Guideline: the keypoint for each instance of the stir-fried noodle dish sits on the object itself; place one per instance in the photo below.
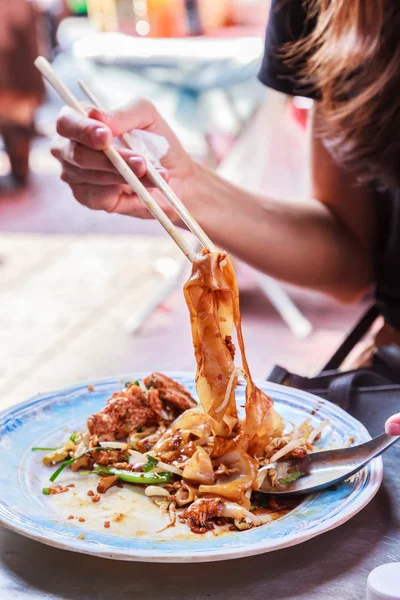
(200, 463)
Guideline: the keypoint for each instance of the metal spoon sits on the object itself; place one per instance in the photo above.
(320, 470)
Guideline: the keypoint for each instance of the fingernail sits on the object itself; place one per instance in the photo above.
(98, 115)
(136, 163)
(393, 428)
(101, 136)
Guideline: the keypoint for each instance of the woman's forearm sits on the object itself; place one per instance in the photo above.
(299, 242)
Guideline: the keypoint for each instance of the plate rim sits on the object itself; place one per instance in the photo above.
(206, 555)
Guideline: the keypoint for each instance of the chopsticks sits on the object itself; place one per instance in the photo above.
(113, 155)
(157, 179)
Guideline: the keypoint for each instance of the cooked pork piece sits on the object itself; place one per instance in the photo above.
(171, 392)
(109, 457)
(199, 515)
(124, 412)
(106, 482)
(84, 462)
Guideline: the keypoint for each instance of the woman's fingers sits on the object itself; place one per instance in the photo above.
(113, 199)
(86, 131)
(97, 197)
(71, 174)
(96, 130)
(393, 425)
(132, 206)
(83, 165)
(93, 179)
(80, 156)
(140, 114)
(85, 158)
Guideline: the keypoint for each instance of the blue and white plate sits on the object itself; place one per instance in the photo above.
(136, 526)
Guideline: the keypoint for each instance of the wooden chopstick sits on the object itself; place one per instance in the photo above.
(49, 74)
(158, 180)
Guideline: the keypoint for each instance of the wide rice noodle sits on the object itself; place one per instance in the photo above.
(212, 297)
(210, 294)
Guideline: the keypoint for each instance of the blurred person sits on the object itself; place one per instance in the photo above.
(343, 240)
(21, 87)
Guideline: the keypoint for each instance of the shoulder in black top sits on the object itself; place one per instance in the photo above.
(288, 22)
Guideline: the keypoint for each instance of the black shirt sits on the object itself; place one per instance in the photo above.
(288, 22)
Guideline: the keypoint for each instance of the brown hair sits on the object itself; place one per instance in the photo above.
(353, 60)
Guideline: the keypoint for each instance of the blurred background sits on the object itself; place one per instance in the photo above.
(85, 294)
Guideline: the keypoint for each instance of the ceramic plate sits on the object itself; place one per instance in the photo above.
(46, 419)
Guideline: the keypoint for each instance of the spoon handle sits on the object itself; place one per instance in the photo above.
(377, 446)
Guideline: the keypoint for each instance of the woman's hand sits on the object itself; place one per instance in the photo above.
(393, 425)
(93, 179)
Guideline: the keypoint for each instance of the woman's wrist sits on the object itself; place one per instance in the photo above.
(207, 199)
